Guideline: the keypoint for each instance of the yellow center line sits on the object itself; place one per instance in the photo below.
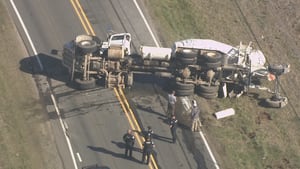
(134, 127)
(85, 18)
(135, 121)
(80, 18)
(119, 93)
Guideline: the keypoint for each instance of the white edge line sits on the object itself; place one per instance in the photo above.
(64, 130)
(156, 43)
(78, 156)
(26, 33)
(146, 23)
(42, 68)
(209, 150)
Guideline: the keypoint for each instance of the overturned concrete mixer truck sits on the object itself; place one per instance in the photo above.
(203, 66)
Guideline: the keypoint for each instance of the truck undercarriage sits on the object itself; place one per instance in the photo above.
(201, 66)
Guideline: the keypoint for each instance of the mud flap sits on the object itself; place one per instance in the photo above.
(224, 90)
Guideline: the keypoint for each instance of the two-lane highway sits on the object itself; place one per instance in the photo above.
(95, 120)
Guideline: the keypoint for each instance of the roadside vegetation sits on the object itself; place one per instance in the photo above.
(256, 137)
(25, 142)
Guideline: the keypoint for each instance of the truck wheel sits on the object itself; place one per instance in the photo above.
(276, 103)
(187, 53)
(208, 89)
(181, 92)
(85, 84)
(184, 86)
(212, 57)
(87, 46)
(276, 69)
(188, 61)
(213, 65)
(209, 95)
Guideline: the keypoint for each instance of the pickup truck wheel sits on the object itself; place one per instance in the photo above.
(212, 57)
(184, 86)
(87, 46)
(180, 92)
(208, 89)
(209, 95)
(85, 84)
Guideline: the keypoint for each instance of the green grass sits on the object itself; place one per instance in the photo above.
(275, 143)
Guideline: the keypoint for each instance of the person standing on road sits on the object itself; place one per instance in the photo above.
(173, 127)
(149, 133)
(147, 150)
(171, 104)
(129, 140)
(127, 45)
(196, 124)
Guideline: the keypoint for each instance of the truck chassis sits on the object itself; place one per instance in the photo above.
(201, 66)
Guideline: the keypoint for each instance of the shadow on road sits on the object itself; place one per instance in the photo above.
(150, 110)
(95, 166)
(114, 154)
(47, 65)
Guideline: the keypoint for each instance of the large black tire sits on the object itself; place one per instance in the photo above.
(209, 95)
(208, 89)
(212, 57)
(276, 69)
(213, 65)
(187, 61)
(184, 92)
(184, 86)
(187, 53)
(85, 84)
(87, 46)
(276, 103)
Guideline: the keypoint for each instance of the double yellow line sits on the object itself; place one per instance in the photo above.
(133, 122)
(118, 91)
(82, 17)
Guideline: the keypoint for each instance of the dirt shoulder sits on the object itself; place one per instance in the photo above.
(25, 136)
(256, 137)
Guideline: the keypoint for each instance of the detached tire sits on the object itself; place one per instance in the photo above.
(276, 103)
(276, 69)
(87, 46)
(85, 84)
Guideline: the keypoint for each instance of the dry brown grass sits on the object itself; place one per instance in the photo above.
(256, 137)
(25, 135)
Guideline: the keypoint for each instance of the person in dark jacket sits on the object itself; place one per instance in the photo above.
(149, 133)
(129, 140)
(173, 127)
(147, 150)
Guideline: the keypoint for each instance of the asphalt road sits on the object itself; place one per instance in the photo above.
(94, 118)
